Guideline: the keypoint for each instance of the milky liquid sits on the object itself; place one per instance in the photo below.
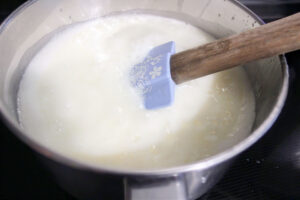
(75, 97)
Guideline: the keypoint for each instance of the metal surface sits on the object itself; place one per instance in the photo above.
(38, 18)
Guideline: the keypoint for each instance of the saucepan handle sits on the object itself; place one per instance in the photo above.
(173, 187)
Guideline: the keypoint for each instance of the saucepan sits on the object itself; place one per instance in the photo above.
(37, 18)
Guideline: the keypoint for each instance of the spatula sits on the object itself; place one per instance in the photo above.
(157, 76)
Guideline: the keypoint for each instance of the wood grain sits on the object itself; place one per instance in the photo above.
(272, 39)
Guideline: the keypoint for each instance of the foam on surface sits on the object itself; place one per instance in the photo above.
(76, 98)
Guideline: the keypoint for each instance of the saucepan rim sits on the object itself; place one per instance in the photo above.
(200, 165)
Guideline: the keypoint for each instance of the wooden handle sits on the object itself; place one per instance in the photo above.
(272, 39)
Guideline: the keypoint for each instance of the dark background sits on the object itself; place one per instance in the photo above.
(270, 170)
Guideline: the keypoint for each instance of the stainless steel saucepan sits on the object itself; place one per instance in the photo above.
(36, 19)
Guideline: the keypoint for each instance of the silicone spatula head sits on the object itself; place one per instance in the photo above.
(152, 77)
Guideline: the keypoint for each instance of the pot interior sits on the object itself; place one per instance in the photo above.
(32, 25)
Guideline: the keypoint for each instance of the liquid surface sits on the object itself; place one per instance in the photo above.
(75, 98)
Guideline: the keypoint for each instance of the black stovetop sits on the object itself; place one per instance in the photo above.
(270, 170)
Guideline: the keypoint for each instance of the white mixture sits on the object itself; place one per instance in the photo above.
(76, 98)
